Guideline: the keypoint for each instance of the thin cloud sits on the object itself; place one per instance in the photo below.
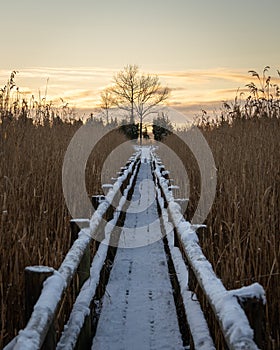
(209, 75)
(191, 90)
(179, 88)
(206, 75)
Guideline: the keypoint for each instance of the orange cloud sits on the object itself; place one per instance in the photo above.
(191, 90)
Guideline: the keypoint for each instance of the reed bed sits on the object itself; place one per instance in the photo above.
(242, 239)
(34, 218)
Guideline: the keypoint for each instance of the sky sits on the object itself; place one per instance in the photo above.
(202, 50)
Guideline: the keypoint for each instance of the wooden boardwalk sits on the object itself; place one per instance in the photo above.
(132, 262)
(138, 309)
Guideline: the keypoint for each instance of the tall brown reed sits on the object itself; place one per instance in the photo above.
(242, 239)
(34, 218)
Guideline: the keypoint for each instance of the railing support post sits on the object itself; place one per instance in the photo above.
(192, 282)
(254, 310)
(83, 270)
(85, 336)
(34, 279)
(176, 238)
(83, 273)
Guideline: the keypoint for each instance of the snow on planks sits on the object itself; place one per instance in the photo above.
(138, 307)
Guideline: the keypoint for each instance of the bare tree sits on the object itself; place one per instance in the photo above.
(107, 101)
(138, 94)
(125, 89)
(150, 95)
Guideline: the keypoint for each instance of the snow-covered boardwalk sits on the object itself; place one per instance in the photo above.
(138, 309)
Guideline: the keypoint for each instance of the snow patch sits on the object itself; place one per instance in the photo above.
(40, 269)
(255, 290)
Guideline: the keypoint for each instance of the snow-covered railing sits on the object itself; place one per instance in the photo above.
(82, 307)
(198, 326)
(33, 335)
(228, 306)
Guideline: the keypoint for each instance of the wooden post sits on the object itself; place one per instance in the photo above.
(84, 266)
(108, 216)
(85, 337)
(176, 238)
(83, 273)
(34, 279)
(165, 203)
(192, 282)
(183, 202)
(254, 310)
(96, 200)
(162, 168)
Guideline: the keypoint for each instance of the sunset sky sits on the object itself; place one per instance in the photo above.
(201, 49)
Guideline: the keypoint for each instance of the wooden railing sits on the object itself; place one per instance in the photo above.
(240, 313)
(45, 286)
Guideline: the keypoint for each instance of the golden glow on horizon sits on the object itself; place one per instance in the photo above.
(81, 86)
(185, 43)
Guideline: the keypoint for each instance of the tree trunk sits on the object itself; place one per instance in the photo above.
(141, 131)
(107, 116)
(132, 115)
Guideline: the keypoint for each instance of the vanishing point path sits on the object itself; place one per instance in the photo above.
(138, 310)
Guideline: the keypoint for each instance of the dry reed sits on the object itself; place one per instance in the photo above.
(34, 218)
(242, 238)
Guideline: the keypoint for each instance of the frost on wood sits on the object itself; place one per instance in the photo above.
(81, 221)
(44, 310)
(255, 290)
(33, 335)
(138, 309)
(109, 199)
(233, 321)
(107, 187)
(173, 187)
(81, 307)
(39, 269)
(195, 317)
